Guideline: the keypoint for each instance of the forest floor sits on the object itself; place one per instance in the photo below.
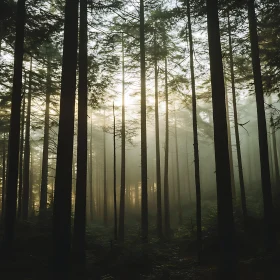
(107, 259)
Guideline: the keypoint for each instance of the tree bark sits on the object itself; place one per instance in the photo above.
(195, 140)
(14, 135)
(188, 171)
(158, 171)
(79, 233)
(270, 238)
(166, 161)
(115, 180)
(91, 201)
(230, 147)
(63, 179)
(228, 258)
(20, 182)
(144, 172)
(105, 199)
(3, 176)
(235, 115)
(44, 177)
(276, 163)
(122, 194)
(26, 163)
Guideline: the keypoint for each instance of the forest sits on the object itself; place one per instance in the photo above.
(139, 139)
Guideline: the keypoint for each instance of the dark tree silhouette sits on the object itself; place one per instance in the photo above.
(14, 135)
(63, 179)
(227, 269)
(144, 175)
(81, 183)
(262, 130)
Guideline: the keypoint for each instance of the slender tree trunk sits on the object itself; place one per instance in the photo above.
(180, 215)
(158, 171)
(238, 148)
(14, 135)
(79, 233)
(270, 238)
(19, 210)
(270, 153)
(63, 178)
(45, 162)
(144, 172)
(115, 180)
(91, 201)
(276, 164)
(31, 183)
(122, 195)
(195, 141)
(26, 163)
(173, 189)
(275, 156)
(228, 258)
(230, 147)
(188, 171)
(105, 203)
(3, 177)
(166, 161)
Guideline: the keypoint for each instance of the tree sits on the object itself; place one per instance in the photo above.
(44, 177)
(123, 139)
(227, 269)
(166, 157)
(21, 153)
(81, 183)
(105, 206)
(237, 138)
(144, 175)
(195, 138)
(26, 163)
(14, 135)
(3, 176)
(63, 179)
(262, 130)
(158, 172)
(115, 179)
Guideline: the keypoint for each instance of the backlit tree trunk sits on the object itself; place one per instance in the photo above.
(228, 259)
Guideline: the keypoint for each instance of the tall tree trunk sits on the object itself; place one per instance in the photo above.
(195, 141)
(3, 176)
(115, 179)
(188, 171)
(270, 238)
(158, 171)
(144, 172)
(63, 178)
(45, 162)
(20, 182)
(166, 161)
(276, 164)
(26, 163)
(270, 152)
(274, 144)
(105, 199)
(31, 183)
(228, 258)
(122, 195)
(178, 176)
(238, 148)
(91, 201)
(230, 147)
(79, 233)
(14, 135)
